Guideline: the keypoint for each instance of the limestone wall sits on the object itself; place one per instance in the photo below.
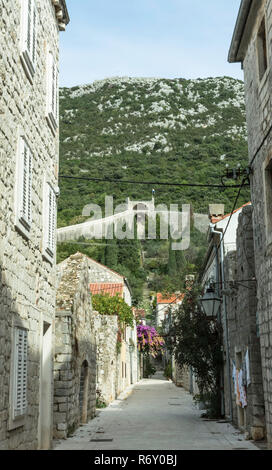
(75, 349)
(106, 328)
(27, 280)
(259, 115)
(242, 326)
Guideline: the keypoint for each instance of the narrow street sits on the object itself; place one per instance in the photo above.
(156, 415)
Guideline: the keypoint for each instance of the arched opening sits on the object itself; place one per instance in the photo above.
(83, 392)
(140, 207)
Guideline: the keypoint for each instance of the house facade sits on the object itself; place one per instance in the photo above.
(247, 396)
(75, 348)
(29, 137)
(222, 239)
(251, 46)
(123, 359)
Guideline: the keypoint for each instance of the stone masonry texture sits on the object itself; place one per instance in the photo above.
(259, 115)
(75, 349)
(242, 326)
(27, 280)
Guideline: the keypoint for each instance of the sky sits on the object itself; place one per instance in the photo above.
(147, 38)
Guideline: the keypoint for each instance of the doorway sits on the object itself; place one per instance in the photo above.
(83, 392)
(45, 416)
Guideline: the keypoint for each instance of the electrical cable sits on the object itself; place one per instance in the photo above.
(153, 183)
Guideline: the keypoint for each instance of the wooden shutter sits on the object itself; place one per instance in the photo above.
(20, 373)
(52, 91)
(25, 184)
(29, 35)
(50, 220)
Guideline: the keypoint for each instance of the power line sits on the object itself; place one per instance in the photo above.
(260, 146)
(230, 217)
(153, 183)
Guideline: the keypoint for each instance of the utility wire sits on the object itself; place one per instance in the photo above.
(224, 233)
(260, 147)
(154, 183)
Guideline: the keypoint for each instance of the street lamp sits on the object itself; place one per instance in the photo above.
(210, 302)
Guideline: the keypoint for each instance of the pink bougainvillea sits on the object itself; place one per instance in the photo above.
(149, 342)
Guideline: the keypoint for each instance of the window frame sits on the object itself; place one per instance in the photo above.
(23, 204)
(267, 179)
(28, 40)
(49, 222)
(262, 50)
(16, 421)
(52, 87)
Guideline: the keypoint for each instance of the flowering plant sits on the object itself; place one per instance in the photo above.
(149, 342)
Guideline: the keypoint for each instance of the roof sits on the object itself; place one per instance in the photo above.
(106, 267)
(215, 220)
(106, 288)
(139, 312)
(61, 12)
(169, 299)
(243, 29)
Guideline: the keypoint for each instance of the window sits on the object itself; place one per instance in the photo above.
(52, 92)
(29, 36)
(262, 49)
(49, 222)
(268, 201)
(24, 188)
(19, 405)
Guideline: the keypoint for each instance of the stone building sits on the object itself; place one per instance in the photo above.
(105, 280)
(75, 348)
(251, 46)
(244, 342)
(29, 138)
(219, 248)
(166, 303)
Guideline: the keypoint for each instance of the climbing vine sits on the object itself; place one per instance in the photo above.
(114, 305)
(149, 341)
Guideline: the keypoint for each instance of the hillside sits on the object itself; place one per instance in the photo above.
(150, 130)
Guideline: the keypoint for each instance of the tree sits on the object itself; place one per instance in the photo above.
(198, 345)
(172, 263)
(111, 254)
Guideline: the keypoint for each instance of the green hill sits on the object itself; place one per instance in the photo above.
(150, 130)
(182, 131)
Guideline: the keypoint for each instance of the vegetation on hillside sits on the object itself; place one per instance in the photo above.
(157, 130)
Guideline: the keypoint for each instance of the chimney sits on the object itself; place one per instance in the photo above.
(216, 210)
(189, 280)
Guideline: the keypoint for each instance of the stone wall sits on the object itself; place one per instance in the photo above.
(259, 116)
(75, 349)
(27, 281)
(117, 368)
(106, 328)
(181, 376)
(241, 303)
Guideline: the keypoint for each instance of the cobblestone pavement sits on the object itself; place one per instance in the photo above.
(154, 414)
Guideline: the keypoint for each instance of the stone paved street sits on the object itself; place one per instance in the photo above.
(155, 415)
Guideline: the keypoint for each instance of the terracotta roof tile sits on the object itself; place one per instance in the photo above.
(169, 299)
(106, 288)
(214, 220)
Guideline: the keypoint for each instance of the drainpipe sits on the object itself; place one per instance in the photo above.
(213, 231)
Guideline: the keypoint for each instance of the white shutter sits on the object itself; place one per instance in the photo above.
(29, 36)
(52, 91)
(25, 185)
(50, 220)
(20, 373)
